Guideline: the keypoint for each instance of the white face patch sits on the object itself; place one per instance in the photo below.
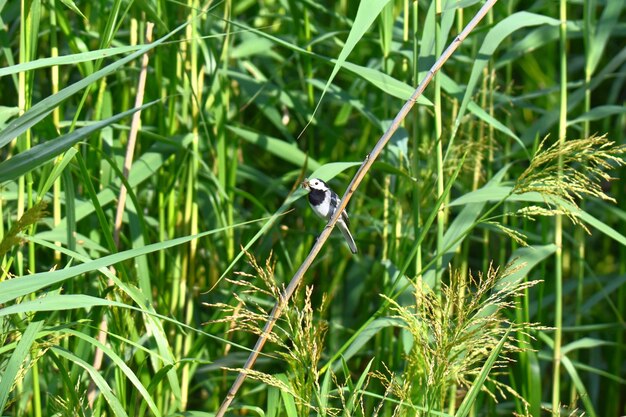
(317, 184)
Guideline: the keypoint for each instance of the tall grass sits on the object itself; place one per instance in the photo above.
(505, 161)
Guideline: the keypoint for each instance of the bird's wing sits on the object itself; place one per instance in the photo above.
(335, 201)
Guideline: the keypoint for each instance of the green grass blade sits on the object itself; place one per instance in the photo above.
(16, 359)
(365, 336)
(608, 22)
(466, 406)
(70, 59)
(40, 110)
(121, 364)
(286, 151)
(494, 38)
(59, 302)
(384, 82)
(100, 382)
(20, 286)
(367, 12)
(144, 168)
(598, 113)
(37, 155)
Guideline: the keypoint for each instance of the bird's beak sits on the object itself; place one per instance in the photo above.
(305, 184)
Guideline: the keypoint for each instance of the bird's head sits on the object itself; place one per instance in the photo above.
(314, 184)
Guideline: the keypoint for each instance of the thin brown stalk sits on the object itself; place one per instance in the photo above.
(364, 168)
(128, 161)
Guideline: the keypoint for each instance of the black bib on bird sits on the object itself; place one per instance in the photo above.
(316, 196)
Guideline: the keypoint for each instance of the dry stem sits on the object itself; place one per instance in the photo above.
(364, 168)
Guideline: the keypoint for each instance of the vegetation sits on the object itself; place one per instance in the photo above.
(151, 155)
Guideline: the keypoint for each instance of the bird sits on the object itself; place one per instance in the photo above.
(324, 202)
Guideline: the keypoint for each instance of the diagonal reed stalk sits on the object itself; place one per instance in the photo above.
(363, 169)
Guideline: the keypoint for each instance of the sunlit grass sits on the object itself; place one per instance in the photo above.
(221, 149)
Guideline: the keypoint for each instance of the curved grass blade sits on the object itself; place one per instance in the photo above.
(496, 35)
(121, 364)
(609, 20)
(367, 12)
(283, 150)
(40, 110)
(144, 168)
(20, 286)
(70, 59)
(598, 113)
(501, 192)
(17, 358)
(100, 382)
(461, 225)
(26, 161)
(384, 82)
(371, 330)
(573, 373)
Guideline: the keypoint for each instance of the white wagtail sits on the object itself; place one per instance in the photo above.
(324, 202)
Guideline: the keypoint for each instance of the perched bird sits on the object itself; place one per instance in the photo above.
(324, 202)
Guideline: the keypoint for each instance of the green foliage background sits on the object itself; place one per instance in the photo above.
(242, 101)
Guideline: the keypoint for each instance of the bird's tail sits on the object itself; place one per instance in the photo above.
(348, 236)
